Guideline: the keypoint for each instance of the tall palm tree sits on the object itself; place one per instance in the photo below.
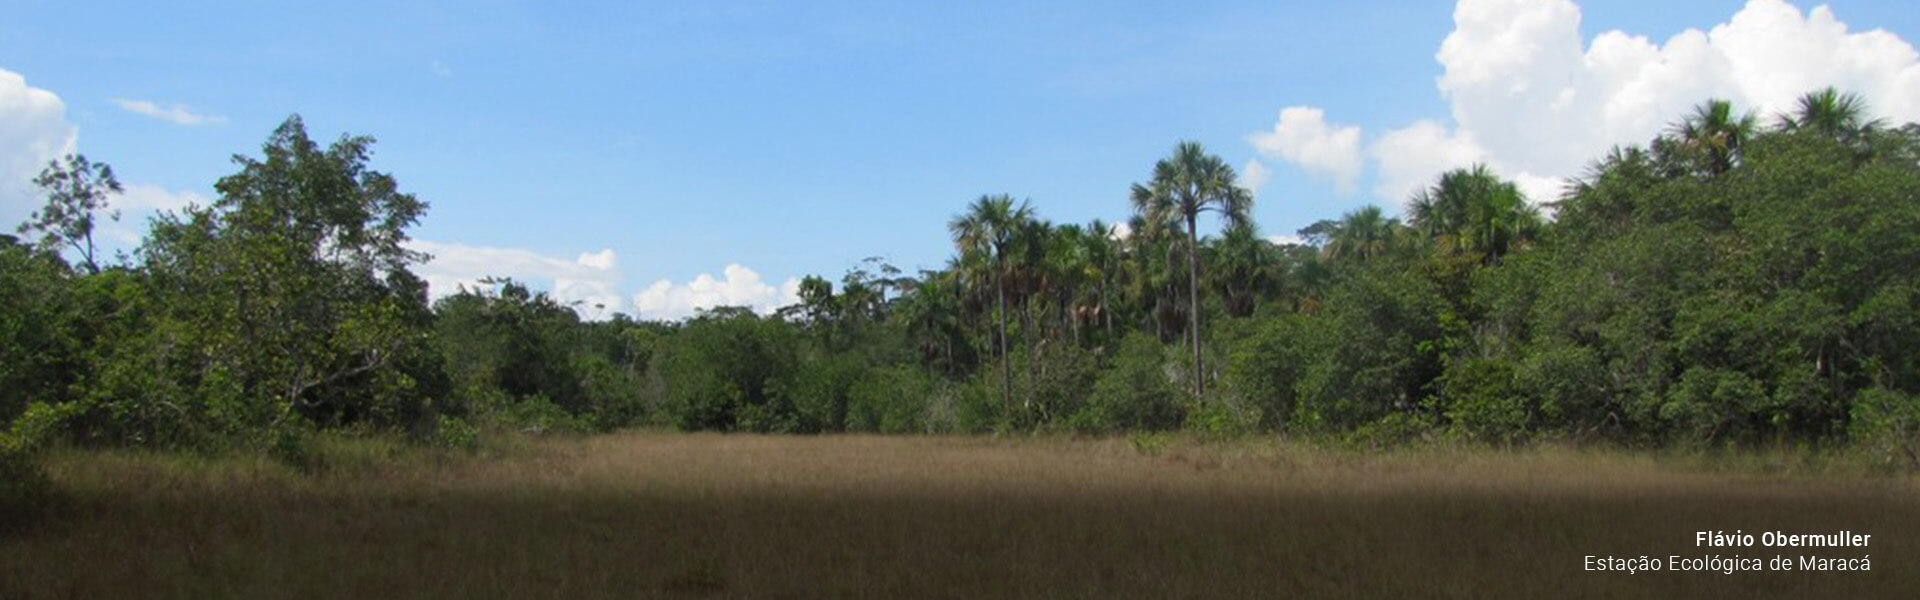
(989, 229)
(1715, 135)
(1189, 182)
(1363, 234)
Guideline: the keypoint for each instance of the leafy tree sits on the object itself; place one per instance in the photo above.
(723, 369)
(295, 287)
(75, 191)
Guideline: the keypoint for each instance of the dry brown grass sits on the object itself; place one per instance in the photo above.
(649, 515)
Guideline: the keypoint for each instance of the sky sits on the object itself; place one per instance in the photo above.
(657, 158)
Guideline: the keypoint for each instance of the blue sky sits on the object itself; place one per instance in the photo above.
(615, 152)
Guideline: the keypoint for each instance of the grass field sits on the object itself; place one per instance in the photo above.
(671, 515)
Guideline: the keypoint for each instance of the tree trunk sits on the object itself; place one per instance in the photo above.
(1193, 302)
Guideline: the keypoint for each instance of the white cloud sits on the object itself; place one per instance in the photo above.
(591, 280)
(1284, 240)
(145, 196)
(1121, 231)
(33, 130)
(602, 260)
(1253, 176)
(1302, 137)
(1532, 98)
(738, 286)
(177, 114)
(1410, 157)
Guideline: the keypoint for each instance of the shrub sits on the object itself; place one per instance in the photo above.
(1886, 424)
(817, 392)
(1133, 393)
(1482, 400)
(456, 433)
(889, 400)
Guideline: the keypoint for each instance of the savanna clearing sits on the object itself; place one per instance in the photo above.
(710, 515)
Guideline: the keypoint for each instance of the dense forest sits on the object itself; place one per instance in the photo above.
(1740, 279)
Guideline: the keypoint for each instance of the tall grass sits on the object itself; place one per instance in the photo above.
(670, 515)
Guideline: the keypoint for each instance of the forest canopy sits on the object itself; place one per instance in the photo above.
(1738, 279)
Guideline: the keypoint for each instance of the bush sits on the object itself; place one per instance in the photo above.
(722, 368)
(1223, 417)
(1886, 424)
(1133, 393)
(456, 433)
(889, 400)
(978, 406)
(817, 393)
(1483, 401)
(1265, 367)
(1052, 382)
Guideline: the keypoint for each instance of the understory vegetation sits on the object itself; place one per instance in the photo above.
(1736, 281)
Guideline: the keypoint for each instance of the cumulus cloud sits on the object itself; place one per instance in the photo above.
(1534, 99)
(589, 282)
(177, 114)
(1302, 137)
(33, 130)
(737, 286)
(1253, 176)
(1408, 158)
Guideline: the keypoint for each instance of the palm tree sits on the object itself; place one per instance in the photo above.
(1715, 135)
(1241, 268)
(1184, 185)
(1831, 113)
(1363, 234)
(989, 229)
(1474, 211)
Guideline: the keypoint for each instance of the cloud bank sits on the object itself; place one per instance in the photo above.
(737, 286)
(1535, 100)
(589, 282)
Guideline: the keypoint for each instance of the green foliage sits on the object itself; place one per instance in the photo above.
(890, 400)
(1134, 392)
(456, 433)
(75, 189)
(292, 290)
(1373, 351)
(1483, 398)
(1727, 283)
(1055, 383)
(722, 368)
(1265, 367)
(819, 393)
(1887, 424)
(1222, 417)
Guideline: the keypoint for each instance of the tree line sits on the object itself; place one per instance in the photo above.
(1738, 279)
